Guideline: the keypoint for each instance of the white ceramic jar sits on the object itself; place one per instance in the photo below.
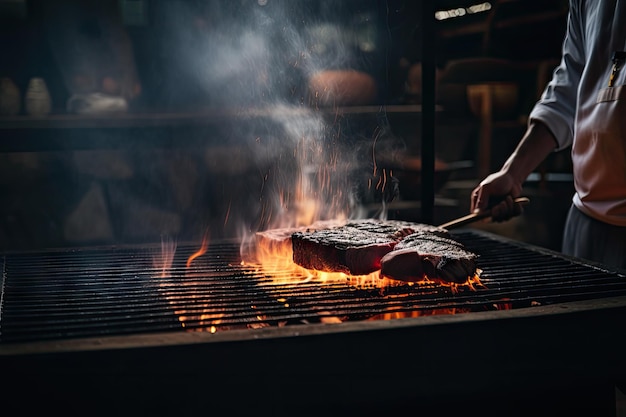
(37, 101)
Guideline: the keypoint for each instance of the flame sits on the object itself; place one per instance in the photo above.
(163, 260)
(272, 254)
(203, 316)
(201, 251)
(471, 282)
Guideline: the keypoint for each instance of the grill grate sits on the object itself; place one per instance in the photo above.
(121, 291)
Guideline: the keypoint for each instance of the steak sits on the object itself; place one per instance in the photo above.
(355, 248)
(427, 255)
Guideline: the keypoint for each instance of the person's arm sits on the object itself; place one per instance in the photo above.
(536, 144)
(550, 128)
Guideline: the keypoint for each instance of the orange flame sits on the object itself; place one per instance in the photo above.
(163, 261)
(201, 251)
(271, 251)
(203, 317)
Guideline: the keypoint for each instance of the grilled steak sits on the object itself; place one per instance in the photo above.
(428, 255)
(355, 248)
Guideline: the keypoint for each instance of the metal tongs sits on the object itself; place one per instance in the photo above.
(470, 218)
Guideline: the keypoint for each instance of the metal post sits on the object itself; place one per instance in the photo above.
(427, 20)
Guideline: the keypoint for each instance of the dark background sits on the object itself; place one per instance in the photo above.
(172, 165)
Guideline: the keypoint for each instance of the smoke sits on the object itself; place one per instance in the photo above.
(232, 52)
(246, 52)
(281, 161)
(306, 164)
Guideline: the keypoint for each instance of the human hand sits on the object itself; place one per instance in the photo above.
(497, 193)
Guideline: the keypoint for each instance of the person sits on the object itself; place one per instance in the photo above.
(583, 106)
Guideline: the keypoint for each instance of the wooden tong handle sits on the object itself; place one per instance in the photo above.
(473, 217)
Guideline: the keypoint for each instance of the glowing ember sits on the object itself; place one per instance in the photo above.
(504, 304)
(203, 317)
(421, 313)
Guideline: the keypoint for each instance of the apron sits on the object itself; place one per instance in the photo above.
(596, 224)
(599, 147)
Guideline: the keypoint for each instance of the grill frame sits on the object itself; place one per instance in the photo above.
(569, 355)
(566, 356)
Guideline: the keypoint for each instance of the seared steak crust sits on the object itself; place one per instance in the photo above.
(428, 255)
(395, 228)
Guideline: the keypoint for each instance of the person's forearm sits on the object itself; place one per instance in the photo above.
(536, 144)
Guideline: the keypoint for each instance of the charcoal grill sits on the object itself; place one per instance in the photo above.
(107, 326)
